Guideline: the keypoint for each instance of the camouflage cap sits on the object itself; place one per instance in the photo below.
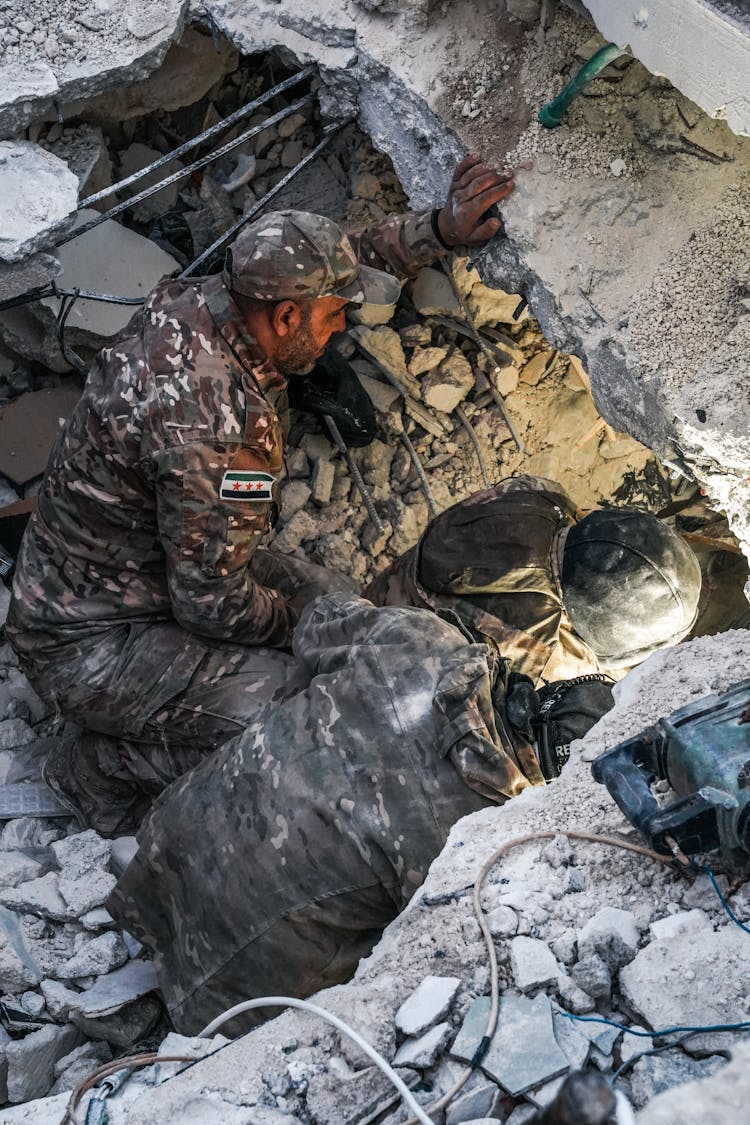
(294, 255)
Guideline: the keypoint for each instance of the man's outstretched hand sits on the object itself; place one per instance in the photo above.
(474, 188)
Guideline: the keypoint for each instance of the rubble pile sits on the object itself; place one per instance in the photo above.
(579, 929)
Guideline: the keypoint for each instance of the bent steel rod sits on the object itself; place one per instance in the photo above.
(248, 217)
(416, 462)
(356, 476)
(187, 170)
(225, 123)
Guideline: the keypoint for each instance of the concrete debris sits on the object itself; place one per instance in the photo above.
(433, 295)
(101, 955)
(613, 935)
(448, 384)
(31, 273)
(660, 984)
(137, 156)
(422, 1052)
(108, 259)
(85, 151)
(31, 1061)
(78, 1065)
(427, 1004)
(532, 963)
(38, 199)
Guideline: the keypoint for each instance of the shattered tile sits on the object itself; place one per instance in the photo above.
(510, 1060)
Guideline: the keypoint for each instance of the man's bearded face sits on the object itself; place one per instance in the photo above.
(297, 354)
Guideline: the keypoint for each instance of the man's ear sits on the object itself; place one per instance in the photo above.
(286, 318)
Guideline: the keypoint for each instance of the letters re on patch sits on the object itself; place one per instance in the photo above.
(247, 486)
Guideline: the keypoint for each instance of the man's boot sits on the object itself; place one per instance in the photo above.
(86, 774)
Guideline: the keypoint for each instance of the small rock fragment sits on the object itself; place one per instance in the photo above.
(31, 1061)
(613, 935)
(422, 1052)
(100, 955)
(427, 1004)
(533, 963)
(449, 383)
(322, 481)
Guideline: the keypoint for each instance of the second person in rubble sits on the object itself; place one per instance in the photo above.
(141, 607)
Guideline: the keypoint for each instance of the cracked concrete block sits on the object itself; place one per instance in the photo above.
(432, 294)
(82, 893)
(613, 935)
(322, 481)
(651, 1075)
(592, 975)
(80, 853)
(449, 383)
(533, 963)
(76, 1066)
(424, 359)
(427, 1004)
(31, 1061)
(422, 1052)
(294, 496)
(101, 955)
(38, 199)
(666, 982)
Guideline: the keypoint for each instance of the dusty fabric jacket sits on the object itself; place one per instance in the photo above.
(166, 477)
(318, 824)
(493, 559)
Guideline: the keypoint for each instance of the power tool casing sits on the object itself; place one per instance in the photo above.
(702, 751)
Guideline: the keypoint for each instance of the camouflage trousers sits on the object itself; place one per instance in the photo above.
(154, 700)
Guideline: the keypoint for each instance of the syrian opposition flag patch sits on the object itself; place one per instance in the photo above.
(247, 486)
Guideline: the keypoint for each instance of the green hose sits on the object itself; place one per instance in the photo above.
(552, 114)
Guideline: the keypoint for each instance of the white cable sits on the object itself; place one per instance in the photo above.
(306, 1006)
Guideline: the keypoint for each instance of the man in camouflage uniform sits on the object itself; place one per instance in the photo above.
(141, 607)
(559, 597)
(272, 868)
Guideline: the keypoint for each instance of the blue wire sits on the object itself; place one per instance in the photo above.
(662, 1031)
(724, 902)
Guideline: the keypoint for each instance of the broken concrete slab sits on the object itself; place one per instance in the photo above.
(100, 50)
(28, 428)
(651, 1075)
(37, 896)
(38, 199)
(108, 259)
(427, 1004)
(31, 1061)
(661, 983)
(82, 852)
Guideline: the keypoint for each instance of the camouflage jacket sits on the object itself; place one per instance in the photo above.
(494, 560)
(404, 719)
(166, 476)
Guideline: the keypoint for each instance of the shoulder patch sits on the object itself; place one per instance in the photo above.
(247, 486)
